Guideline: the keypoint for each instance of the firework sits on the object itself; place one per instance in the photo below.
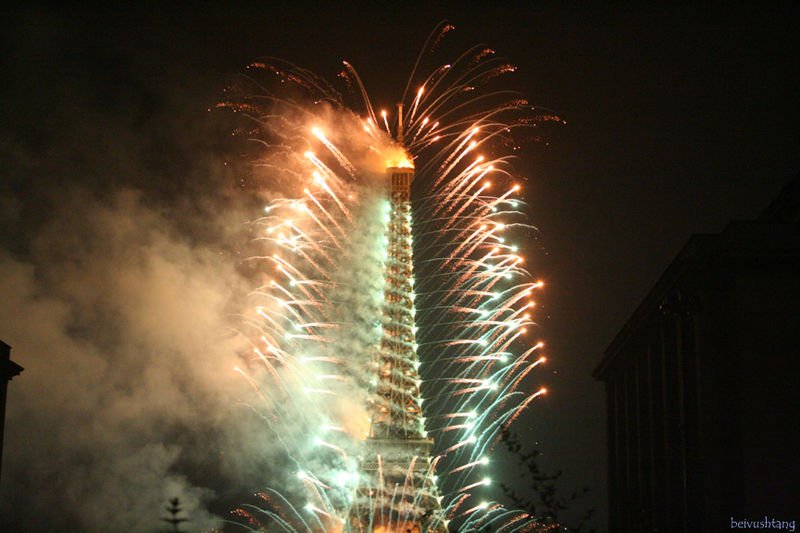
(390, 318)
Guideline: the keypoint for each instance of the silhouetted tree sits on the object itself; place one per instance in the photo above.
(174, 509)
(543, 500)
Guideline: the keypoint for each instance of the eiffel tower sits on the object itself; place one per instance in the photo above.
(398, 493)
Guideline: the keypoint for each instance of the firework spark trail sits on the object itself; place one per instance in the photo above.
(320, 317)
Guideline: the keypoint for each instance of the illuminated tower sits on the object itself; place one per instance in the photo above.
(399, 494)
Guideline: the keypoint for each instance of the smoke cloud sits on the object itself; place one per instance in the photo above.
(125, 290)
(123, 325)
(122, 230)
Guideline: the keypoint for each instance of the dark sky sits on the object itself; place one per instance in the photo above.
(678, 120)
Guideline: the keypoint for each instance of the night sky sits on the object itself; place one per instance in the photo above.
(678, 121)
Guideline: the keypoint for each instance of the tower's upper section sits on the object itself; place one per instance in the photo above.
(396, 412)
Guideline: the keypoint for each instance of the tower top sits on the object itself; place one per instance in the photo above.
(400, 179)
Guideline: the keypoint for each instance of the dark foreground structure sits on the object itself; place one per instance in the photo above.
(702, 384)
(8, 369)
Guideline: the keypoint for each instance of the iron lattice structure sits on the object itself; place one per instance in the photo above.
(398, 466)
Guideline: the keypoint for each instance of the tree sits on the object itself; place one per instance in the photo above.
(543, 501)
(174, 509)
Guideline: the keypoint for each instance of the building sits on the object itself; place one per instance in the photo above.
(702, 383)
(9, 369)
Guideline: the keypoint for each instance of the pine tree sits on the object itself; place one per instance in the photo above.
(174, 509)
